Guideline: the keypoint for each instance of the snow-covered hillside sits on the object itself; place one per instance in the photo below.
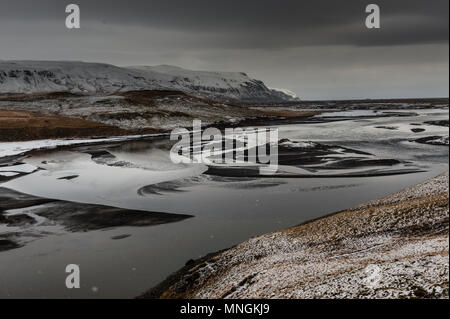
(88, 78)
(285, 92)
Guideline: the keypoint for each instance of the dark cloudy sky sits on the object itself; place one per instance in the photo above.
(316, 48)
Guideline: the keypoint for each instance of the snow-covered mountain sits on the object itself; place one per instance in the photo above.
(90, 78)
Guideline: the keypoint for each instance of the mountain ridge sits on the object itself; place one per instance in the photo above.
(28, 76)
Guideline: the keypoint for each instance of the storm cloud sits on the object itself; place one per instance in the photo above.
(319, 49)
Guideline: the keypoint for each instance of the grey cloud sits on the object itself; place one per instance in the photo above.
(262, 23)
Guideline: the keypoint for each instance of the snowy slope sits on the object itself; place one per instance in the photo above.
(81, 77)
(232, 85)
(285, 92)
(75, 77)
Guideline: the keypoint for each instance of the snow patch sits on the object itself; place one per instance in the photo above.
(298, 144)
(355, 113)
(21, 168)
(444, 140)
(16, 148)
(286, 92)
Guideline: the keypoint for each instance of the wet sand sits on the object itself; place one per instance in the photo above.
(22, 217)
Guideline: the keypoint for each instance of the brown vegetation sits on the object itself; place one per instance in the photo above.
(21, 125)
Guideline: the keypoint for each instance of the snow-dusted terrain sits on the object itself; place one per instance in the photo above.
(89, 78)
(394, 247)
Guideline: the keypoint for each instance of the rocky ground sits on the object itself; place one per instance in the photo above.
(393, 247)
(66, 115)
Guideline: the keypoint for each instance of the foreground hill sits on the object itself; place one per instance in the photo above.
(394, 247)
(96, 78)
